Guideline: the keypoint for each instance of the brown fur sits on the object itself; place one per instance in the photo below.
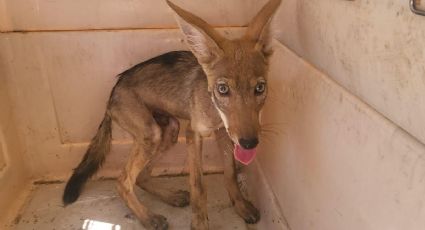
(148, 99)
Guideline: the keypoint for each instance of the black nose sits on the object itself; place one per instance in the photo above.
(248, 143)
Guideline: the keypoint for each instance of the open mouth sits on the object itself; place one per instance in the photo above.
(245, 156)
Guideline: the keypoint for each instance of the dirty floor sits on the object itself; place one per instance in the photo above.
(100, 208)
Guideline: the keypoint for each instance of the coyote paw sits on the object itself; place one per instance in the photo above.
(179, 199)
(156, 222)
(248, 212)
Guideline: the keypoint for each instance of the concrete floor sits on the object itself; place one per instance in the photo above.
(100, 208)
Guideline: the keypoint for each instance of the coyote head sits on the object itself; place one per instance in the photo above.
(236, 72)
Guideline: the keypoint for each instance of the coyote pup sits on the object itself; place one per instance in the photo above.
(220, 86)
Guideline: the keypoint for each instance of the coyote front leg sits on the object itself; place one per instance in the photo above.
(243, 207)
(198, 194)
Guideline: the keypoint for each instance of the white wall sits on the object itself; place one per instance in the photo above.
(29, 15)
(348, 103)
(374, 49)
(333, 162)
(14, 178)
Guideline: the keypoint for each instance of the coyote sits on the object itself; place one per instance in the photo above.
(220, 87)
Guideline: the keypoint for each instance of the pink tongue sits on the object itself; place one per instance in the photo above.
(245, 156)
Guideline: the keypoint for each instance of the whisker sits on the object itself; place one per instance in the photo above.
(266, 139)
(275, 123)
(266, 131)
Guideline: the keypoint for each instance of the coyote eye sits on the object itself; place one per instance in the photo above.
(223, 89)
(260, 88)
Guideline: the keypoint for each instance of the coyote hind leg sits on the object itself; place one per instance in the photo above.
(135, 118)
(170, 129)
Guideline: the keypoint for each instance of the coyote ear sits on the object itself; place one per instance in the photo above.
(202, 39)
(259, 28)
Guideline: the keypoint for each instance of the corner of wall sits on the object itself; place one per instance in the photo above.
(14, 177)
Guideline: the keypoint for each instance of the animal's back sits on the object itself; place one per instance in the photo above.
(165, 82)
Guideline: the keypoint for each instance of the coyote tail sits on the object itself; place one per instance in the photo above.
(93, 159)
